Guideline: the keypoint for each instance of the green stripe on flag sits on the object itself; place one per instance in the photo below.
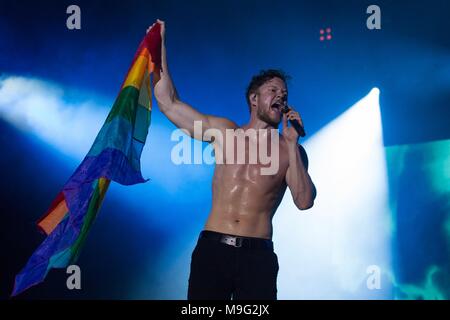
(91, 214)
(125, 105)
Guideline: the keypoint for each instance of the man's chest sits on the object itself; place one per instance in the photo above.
(252, 159)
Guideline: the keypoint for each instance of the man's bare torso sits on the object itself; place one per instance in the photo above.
(244, 201)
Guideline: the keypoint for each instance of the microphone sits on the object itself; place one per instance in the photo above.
(297, 126)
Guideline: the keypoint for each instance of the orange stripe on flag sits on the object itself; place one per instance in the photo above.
(53, 218)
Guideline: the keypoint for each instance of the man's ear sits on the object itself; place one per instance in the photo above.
(253, 98)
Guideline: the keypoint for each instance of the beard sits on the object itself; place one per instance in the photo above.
(264, 115)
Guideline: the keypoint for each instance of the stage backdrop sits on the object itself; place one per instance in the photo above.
(375, 104)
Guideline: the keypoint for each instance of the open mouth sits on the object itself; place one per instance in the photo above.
(277, 106)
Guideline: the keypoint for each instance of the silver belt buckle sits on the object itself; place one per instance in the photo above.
(232, 241)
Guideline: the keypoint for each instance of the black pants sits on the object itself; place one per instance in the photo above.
(220, 271)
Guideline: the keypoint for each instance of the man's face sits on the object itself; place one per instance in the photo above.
(270, 98)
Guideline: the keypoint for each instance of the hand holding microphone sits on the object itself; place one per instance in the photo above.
(294, 122)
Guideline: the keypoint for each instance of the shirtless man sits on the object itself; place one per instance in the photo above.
(234, 255)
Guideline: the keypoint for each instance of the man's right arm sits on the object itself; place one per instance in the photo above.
(177, 111)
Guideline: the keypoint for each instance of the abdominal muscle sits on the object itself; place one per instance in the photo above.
(244, 202)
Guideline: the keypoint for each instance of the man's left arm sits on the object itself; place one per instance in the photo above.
(297, 178)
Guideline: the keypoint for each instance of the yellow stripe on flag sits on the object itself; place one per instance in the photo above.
(103, 185)
(136, 74)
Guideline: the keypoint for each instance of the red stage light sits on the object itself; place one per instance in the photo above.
(325, 34)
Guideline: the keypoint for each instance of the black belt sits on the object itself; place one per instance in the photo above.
(237, 241)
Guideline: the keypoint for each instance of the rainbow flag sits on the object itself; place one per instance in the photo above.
(114, 156)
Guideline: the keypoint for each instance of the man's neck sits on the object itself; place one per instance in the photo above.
(256, 123)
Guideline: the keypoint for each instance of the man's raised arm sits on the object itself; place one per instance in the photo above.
(179, 112)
